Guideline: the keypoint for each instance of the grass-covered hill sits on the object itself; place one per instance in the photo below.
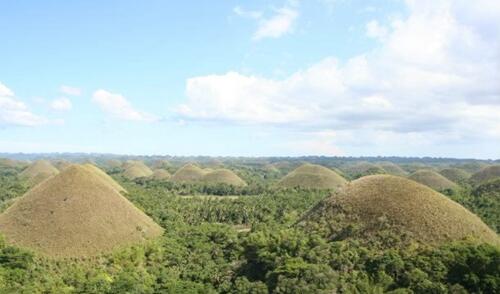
(38, 172)
(188, 173)
(455, 175)
(433, 179)
(312, 176)
(225, 239)
(77, 213)
(486, 174)
(372, 205)
(136, 169)
(160, 174)
(223, 176)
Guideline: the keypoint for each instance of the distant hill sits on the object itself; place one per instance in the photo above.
(312, 176)
(432, 179)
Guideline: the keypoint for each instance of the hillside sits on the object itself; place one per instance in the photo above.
(38, 172)
(189, 173)
(312, 176)
(486, 174)
(223, 176)
(432, 179)
(75, 214)
(403, 207)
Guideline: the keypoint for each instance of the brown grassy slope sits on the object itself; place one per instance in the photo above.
(75, 214)
(105, 177)
(455, 175)
(486, 174)
(136, 170)
(411, 208)
(38, 172)
(312, 176)
(432, 179)
(223, 176)
(392, 168)
(160, 174)
(188, 173)
(138, 163)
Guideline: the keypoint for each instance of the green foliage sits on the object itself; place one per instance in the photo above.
(483, 200)
(203, 252)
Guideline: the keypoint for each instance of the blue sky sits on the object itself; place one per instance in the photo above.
(252, 78)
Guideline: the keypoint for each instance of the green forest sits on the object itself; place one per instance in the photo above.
(221, 238)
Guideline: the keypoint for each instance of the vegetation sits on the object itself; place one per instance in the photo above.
(357, 170)
(456, 175)
(204, 250)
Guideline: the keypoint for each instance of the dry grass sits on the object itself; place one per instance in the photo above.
(392, 168)
(223, 176)
(412, 208)
(105, 177)
(75, 214)
(486, 174)
(312, 176)
(160, 175)
(38, 172)
(432, 179)
(189, 173)
(455, 174)
(136, 169)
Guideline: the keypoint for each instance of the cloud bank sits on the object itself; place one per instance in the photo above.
(434, 74)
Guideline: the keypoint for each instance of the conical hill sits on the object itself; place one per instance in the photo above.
(432, 179)
(404, 207)
(38, 172)
(312, 176)
(223, 176)
(188, 173)
(76, 213)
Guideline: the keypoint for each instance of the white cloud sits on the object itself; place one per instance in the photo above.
(435, 73)
(375, 30)
(15, 112)
(279, 24)
(118, 107)
(254, 14)
(68, 90)
(61, 104)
